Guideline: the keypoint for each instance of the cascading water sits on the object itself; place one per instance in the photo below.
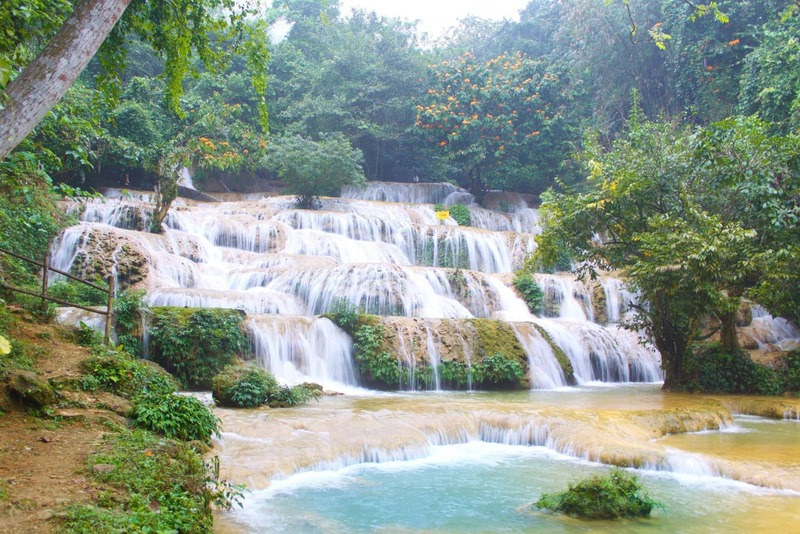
(380, 249)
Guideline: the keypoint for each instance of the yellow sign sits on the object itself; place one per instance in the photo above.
(442, 215)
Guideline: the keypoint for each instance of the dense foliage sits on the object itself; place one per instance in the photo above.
(124, 375)
(195, 344)
(733, 371)
(376, 365)
(29, 219)
(693, 217)
(493, 118)
(175, 416)
(155, 402)
(499, 105)
(77, 293)
(250, 386)
(243, 386)
(460, 213)
(130, 311)
(615, 495)
(498, 371)
(531, 291)
(316, 168)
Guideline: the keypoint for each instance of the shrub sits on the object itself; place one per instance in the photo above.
(791, 371)
(461, 214)
(286, 396)
(531, 291)
(454, 374)
(29, 219)
(720, 371)
(78, 293)
(195, 344)
(124, 375)
(243, 386)
(248, 386)
(174, 416)
(612, 496)
(498, 370)
(130, 308)
(376, 366)
(345, 315)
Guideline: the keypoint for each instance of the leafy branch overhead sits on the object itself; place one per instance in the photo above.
(53, 46)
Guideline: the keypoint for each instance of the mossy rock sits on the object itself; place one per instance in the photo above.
(613, 496)
(31, 389)
(599, 303)
(495, 336)
(496, 341)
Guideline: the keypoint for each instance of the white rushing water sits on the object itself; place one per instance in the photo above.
(380, 249)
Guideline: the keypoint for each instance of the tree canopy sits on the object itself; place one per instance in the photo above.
(45, 48)
(691, 216)
(493, 118)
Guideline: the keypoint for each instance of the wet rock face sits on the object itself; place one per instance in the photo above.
(106, 253)
(599, 304)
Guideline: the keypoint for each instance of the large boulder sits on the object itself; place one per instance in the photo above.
(31, 389)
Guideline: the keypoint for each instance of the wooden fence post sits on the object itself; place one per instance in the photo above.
(45, 280)
(110, 309)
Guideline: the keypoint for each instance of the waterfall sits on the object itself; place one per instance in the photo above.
(296, 348)
(618, 299)
(545, 371)
(381, 249)
(433, 355)
(566, 298)
(417, 193)
(605, 354)
(766, 329)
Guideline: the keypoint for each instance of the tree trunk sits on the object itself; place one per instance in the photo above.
(45, 80)
(671, 341)
(727, 334)
(476, 184)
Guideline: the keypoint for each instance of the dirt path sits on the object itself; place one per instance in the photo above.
(42, 458)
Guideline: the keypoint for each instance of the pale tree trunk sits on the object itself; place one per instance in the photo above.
(45, 81)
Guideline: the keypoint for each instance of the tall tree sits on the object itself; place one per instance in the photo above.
(692, 217)
(45, 81)
(176, 30)
(357, 76)
(491, 118)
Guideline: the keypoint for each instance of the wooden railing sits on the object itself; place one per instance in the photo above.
(46, 268)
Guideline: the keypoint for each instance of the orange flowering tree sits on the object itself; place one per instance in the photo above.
(494, 118)
(219, 139)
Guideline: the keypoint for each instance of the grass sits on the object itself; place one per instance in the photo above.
(149, 484)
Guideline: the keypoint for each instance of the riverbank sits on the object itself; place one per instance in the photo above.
(75, 464)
